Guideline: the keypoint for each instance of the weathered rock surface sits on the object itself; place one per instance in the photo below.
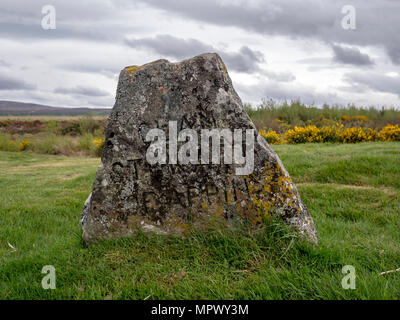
(130, 193)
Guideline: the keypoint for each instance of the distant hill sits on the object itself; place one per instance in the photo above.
(14, 108)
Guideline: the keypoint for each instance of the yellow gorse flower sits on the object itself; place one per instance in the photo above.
(271, 136)
(340, 134)
(390, 133)
(24, 145)
(99, 143)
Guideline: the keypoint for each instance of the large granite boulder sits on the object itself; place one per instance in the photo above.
(159, 171)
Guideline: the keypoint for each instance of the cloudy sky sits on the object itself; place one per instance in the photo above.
(279, 49)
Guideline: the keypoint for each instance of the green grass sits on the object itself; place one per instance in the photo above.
(352, 192)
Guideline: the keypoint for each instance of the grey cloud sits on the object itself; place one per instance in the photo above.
(315, 21)
(245, 60)
(82, 90)
(167, 45)
(375, 81)
(82, 20)
(274, 16)
(110, 70)
(33, 31)
(377, 20)
(11, 83)
(315, 61)
(87, 9)
(351, 56)
(4, 63)
(393, 50)
(280, 76)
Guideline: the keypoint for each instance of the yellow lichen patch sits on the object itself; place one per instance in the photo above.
(132, 69)
(219, 213)
(225, 68)
(267, 188)
(228, 197)
(272, 190)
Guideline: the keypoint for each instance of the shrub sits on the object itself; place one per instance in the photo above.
(23, 145)
(53, 126)
(303, 135)
(329, 134)
(372, 135)
(99, 143)
(7, 143)
(353, 135)
(340, 134)
(88, 124)
(360, 118)
(72, 128)
(47, 143)
(271, 136)
(320, 121)
(390, 133)
(86, 144)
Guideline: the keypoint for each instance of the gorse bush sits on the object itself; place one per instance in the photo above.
(390, 133)
(313, 134)
(373, 135)
(330, 134)
(357, 118)
(24, 144)
(303, 134)
(353, 135)
(335, 133)
(271, 136)
(99, 143)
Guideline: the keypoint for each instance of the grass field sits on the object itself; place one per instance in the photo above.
(352, 192)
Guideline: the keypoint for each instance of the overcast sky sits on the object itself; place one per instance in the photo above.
(280, 49)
